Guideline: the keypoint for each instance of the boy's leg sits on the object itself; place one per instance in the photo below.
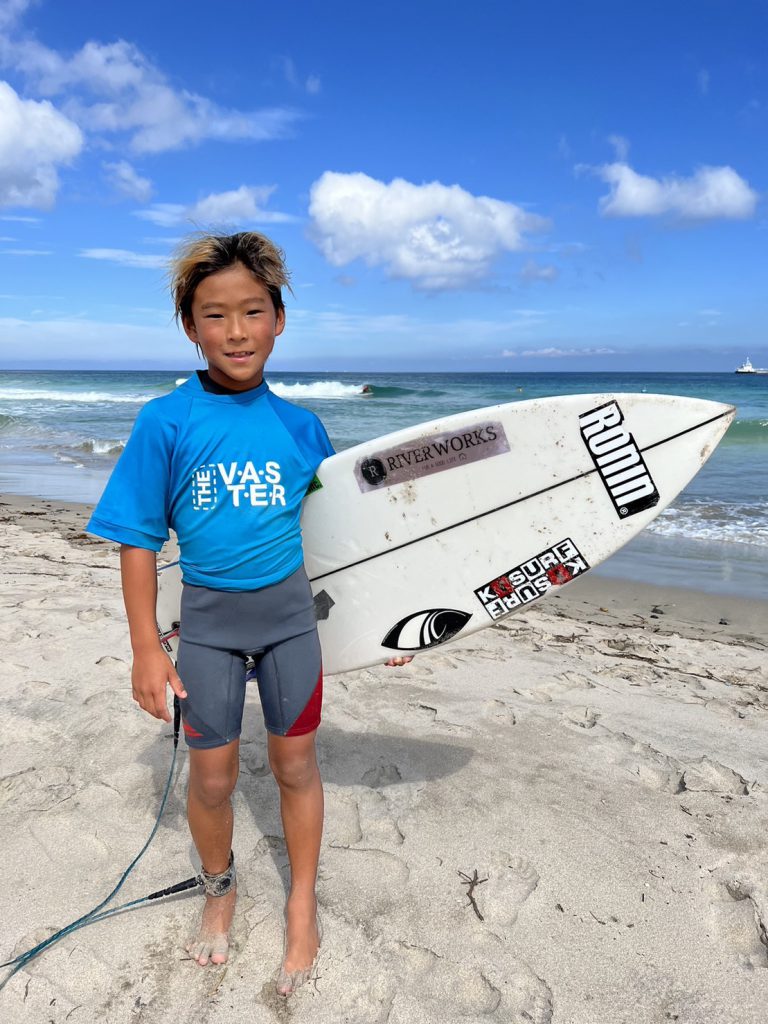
(212, 777)
(294, 764)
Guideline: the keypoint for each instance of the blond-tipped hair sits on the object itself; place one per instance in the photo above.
(201, 255)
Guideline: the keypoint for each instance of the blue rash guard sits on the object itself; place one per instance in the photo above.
(227, 473)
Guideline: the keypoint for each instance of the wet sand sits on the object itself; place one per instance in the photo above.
(561, 818)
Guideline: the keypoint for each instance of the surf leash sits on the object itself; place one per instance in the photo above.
(99, 913)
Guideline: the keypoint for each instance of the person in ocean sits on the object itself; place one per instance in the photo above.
(226, 464)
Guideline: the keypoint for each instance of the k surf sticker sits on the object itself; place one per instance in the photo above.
(618, 460)
(433, 453)
(425, 629)
(532, 579)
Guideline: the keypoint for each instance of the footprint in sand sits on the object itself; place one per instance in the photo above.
(511, 880)
(116, 664)
(737, 923)
(582, 718)
(93, 614)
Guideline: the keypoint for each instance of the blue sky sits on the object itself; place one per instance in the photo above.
(494, 186)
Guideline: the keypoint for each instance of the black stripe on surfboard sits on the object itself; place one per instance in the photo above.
(509, 504)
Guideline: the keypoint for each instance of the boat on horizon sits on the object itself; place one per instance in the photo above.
(747, 367)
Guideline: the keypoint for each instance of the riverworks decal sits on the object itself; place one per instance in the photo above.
(618, 460)
(532, 579)
(433, 453)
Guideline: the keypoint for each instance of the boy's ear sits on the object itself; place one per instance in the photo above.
(279, 322)
(189, 329)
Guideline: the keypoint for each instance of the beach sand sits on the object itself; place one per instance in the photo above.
(597, 763)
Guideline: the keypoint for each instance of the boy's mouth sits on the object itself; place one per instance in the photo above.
(238, 355)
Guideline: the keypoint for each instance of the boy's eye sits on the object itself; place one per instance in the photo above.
(253, 312)
(213, 316)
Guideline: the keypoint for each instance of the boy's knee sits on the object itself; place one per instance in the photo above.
(213, 788)
(293, 771)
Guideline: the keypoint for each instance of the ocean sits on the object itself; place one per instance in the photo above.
(61, 432)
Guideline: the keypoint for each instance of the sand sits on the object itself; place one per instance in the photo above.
(596, 764)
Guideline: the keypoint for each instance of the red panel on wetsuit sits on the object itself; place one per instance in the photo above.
(309, 718)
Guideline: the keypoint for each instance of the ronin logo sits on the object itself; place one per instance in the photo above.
(618, 460)
(532, 579)
(422, 630)
(432, 453)
(246, 485)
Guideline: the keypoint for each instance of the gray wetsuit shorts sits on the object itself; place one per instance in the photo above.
(227, 637)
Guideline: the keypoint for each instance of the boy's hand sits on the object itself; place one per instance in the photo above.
(399, 660)
(150, 674)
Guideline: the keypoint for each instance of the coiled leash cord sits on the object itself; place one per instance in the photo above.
(98, 913)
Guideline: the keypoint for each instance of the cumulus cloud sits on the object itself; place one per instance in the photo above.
(114, 88)
(712, 193)
(436, 236)
(35, 139)
(124, 177)
(126, 258)
(244, 205)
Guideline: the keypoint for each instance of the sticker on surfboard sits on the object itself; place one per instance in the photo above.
(432, 453)
(618, 460)
(422, 630)
(532, 579)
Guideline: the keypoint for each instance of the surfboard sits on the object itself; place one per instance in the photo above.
(433, 532)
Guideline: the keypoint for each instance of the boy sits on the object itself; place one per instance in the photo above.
(226, 464)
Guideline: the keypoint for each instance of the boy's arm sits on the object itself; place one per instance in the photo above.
(152, 668)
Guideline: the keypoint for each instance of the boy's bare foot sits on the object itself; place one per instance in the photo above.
(212, 942)
(301, 945)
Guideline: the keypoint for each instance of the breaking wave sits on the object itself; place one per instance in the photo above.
(326, 389)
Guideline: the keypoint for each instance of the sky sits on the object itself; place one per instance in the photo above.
(490, 186)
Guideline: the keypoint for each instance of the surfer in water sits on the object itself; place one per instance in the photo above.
(225, 463)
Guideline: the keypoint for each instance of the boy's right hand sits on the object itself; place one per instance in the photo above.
(152, 671)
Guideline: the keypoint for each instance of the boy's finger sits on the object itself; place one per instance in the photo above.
(176, 685)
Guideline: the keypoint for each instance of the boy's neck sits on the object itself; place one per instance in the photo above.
(214, 388)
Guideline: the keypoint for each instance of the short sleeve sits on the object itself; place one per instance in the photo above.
(134, 506)
(324, 446)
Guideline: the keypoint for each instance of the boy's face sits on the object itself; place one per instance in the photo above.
(235, 324)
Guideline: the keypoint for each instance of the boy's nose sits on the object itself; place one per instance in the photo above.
(237, 329)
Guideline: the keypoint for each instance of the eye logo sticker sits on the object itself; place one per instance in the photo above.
(425, 629)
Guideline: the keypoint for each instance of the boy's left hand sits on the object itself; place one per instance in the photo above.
(396, 662)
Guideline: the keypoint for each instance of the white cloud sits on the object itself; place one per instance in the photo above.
(620, 147)
(288, 66)
(711, 193)
(436, 236)
(126, 258)
(244, 205)
(35, 138)
(558, 353)
(11, 11)
(702, 80)
(124, 177)
(27, 252)
(536, 272)
(114, 89)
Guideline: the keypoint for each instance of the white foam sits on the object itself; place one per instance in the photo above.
(102, 447)
(326, 389)
(706, 524)
(91, 397)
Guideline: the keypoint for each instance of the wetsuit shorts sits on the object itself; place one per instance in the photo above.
(228, 637)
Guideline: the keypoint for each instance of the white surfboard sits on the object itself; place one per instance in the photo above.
(441, 529)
